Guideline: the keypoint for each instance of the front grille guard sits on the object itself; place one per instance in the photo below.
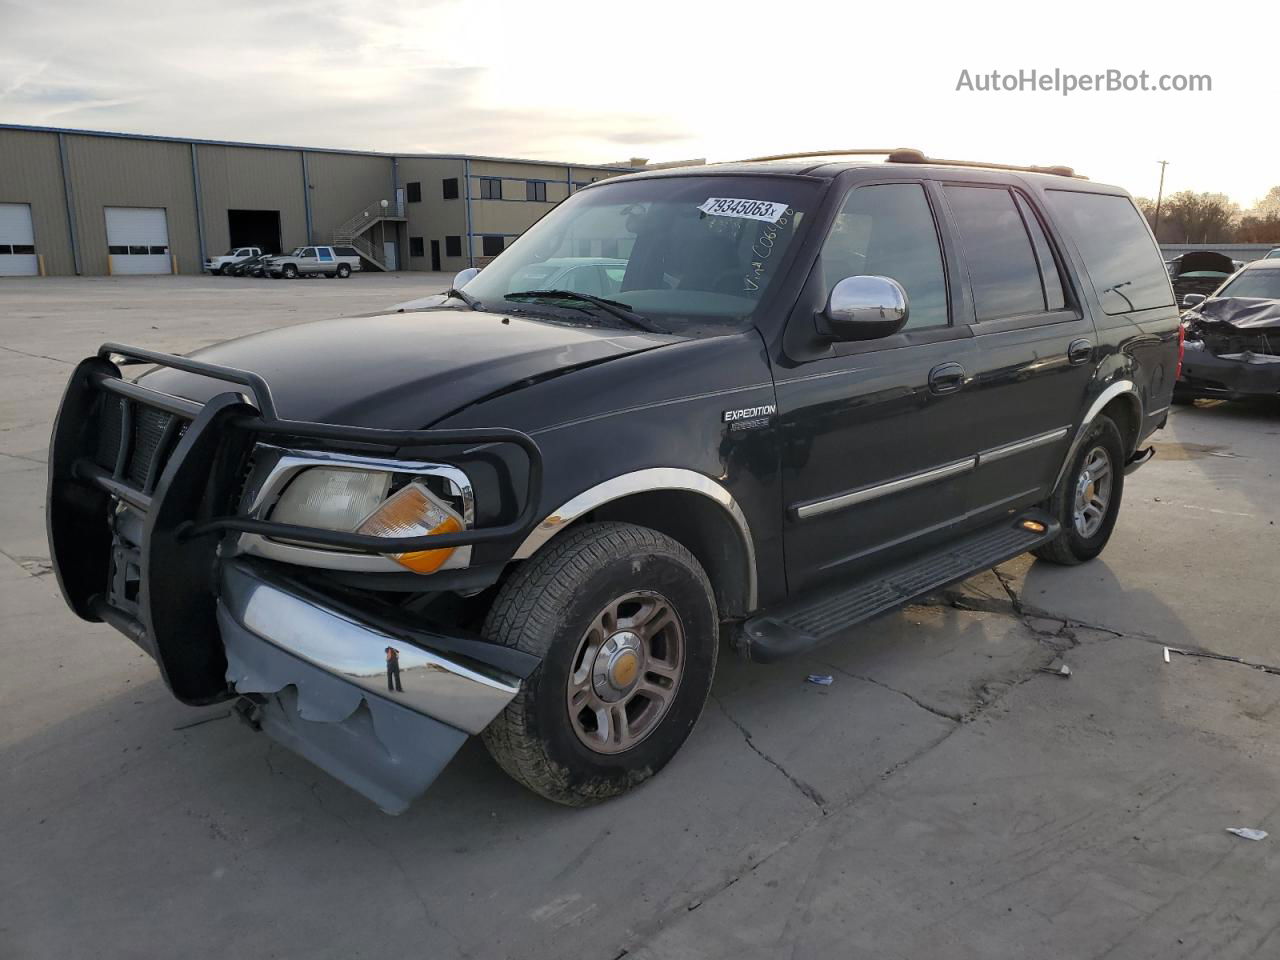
(188, 498)
(267, 423)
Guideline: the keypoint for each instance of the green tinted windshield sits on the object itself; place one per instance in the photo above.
(690, 252)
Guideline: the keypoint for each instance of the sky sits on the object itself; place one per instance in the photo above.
(662, 79)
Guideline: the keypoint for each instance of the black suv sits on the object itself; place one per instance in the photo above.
(813, 390)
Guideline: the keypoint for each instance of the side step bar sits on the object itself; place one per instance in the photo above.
(805, 622)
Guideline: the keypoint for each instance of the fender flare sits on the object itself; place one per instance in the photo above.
(646, 481)
(1116, 389)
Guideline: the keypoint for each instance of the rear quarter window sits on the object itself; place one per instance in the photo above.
(1118, 252)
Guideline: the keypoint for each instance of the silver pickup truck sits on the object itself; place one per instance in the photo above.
(306, 261)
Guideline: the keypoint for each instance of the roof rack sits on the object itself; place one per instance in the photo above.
(912, 155)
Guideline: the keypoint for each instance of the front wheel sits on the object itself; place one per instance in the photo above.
(1087, 501)
(225, 269)
(625, 622)
(290, 272)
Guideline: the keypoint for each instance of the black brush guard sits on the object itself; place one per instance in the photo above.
(187, 499)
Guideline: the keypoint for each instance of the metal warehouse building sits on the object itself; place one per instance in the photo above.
(84, 202)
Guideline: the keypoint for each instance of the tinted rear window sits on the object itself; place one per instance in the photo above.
(1122, 260)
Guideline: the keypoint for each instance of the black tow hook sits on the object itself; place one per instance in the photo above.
(1138, 459)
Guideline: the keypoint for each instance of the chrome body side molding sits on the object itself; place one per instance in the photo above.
(646, 481)
(816, 508)
(1021, 446)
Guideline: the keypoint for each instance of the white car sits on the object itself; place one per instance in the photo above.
(224, 263)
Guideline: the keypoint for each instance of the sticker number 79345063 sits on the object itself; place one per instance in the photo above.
(765, 210)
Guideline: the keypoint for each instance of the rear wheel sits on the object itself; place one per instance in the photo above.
(344, 270)
(1087, 501)
(624, 620)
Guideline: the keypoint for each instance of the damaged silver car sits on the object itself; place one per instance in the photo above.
(1232, 338)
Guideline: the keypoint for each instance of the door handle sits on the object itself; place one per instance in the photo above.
(946, 378)
(1079, 351)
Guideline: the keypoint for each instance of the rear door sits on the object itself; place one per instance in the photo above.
(876, 447)
(325, 261)
(1035, 346)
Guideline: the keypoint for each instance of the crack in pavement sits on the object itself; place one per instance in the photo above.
(36, 356)
(936, 711)
(806, 789)
(18, 456)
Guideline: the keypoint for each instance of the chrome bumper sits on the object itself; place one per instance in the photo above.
(325, 689)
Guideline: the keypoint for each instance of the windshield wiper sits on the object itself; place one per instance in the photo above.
(622, 311)
(466, 298)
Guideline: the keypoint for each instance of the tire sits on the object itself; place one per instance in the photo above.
(344, 271)
(556, 607)
(1075, 545)
(225, 269)
(289, 272)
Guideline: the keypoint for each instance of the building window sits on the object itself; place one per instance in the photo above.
(451, 188)
(453, 246)
(413, 190)
(492, 246)
(416, 247)
(490, 188)
(536, 190)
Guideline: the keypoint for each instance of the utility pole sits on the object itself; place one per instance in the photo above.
(1159, 198)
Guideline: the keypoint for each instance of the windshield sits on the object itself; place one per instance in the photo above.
(1264, 284)
(686, 252)
(297, 251)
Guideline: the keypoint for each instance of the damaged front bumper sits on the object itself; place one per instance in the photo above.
(142, 518)
(1229, 376)
(324, 685)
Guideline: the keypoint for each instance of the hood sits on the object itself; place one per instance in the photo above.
(1199, 261)
(421, 303)
(1243, 313)
(404, 371)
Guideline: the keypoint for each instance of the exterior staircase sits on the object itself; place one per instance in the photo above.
(353, 232)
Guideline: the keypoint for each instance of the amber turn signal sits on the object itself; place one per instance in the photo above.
(413, 511)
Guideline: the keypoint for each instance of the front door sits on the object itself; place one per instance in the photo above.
(389, 254)
(876, 451)
(435, 255)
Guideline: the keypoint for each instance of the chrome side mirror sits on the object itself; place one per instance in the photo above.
(1193, 300)
(463, 277)
(864, 308)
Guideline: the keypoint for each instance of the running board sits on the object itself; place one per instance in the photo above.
(798, 625)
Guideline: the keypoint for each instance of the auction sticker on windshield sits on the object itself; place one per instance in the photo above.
(748, 209)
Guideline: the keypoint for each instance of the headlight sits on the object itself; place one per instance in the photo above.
(355, 500)
(332, 499)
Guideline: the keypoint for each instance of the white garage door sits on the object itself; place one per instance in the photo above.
(17, 242)
(138, 240)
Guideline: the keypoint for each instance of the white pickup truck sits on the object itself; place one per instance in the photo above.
(313, 260)
(224, 263)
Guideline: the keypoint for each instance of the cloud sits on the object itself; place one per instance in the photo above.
(406, 77)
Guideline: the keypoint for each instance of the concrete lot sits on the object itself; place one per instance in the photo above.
(943, 798)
